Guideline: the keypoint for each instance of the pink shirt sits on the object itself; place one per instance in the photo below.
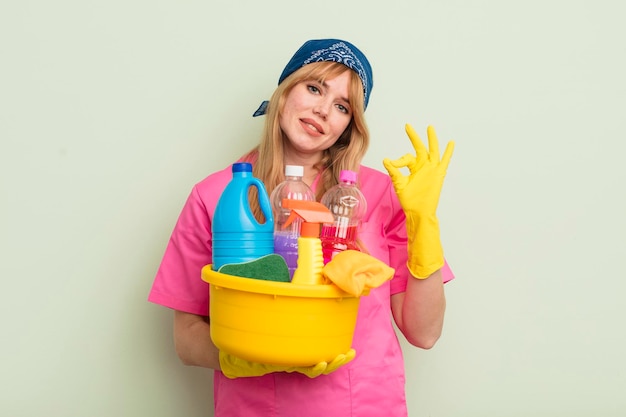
(372, 385)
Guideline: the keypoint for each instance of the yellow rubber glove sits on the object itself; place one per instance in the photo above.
(234, 367)
(419, 196)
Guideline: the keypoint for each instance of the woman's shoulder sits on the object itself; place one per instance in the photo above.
(373, 178)
(376, 186)
(366, 170)
(216, 178)
(209, 189)
(219, 179)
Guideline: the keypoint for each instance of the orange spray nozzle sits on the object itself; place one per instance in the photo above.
(311, 213)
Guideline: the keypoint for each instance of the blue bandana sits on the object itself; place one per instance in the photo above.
(329, 50)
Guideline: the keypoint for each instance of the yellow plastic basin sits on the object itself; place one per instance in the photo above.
(279, 322)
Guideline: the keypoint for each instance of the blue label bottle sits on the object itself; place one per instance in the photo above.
(237, 234)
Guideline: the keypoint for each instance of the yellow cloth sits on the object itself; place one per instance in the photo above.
(355, 272)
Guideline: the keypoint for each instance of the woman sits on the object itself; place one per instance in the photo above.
(315, 119)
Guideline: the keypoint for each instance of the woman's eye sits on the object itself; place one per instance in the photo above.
(313, 89)
(343, 108)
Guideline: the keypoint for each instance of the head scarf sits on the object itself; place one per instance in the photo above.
(334, 50)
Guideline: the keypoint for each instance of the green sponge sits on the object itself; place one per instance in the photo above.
(270, 267)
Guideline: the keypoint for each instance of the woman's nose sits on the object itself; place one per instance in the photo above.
(321, 109)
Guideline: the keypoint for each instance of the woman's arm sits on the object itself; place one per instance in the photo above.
(193, 340)
(419, 311)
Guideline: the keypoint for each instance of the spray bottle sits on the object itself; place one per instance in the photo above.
(310, 258)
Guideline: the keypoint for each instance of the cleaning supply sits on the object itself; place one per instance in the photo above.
(280, 323)
(357, 272)
(418, 194)
(348, 206)
(237, 236)
(310, 259)
(270, 267)
(286, 238)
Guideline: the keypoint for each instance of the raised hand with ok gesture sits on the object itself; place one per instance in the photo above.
(419, 194)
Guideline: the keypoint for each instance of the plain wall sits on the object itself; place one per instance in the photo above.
(111, 111)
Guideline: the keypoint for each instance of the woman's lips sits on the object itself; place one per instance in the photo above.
(312, 127)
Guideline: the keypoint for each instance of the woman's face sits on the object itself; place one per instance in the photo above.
(315, 115)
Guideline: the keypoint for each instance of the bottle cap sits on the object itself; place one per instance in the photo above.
(242, 167)
(347, 176)
(294, 170)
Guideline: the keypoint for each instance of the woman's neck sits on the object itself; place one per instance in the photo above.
(309, 163)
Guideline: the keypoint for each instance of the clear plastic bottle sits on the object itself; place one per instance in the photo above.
(286, 238)
(348, 206)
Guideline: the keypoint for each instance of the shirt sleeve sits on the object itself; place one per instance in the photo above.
(178, 283)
